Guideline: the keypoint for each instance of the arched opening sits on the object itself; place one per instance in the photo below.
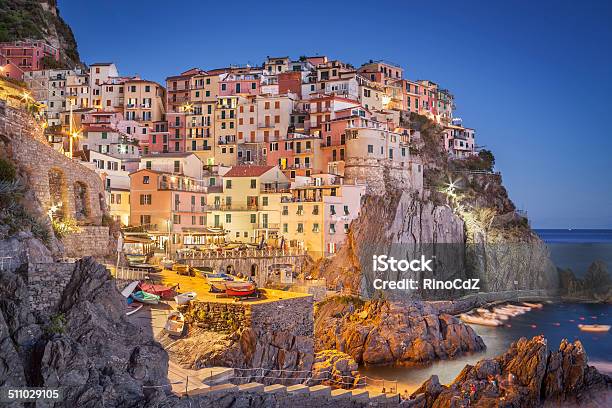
(57, 194)
(81, 210)
(253, 270)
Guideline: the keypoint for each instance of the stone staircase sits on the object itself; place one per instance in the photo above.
(340, 396)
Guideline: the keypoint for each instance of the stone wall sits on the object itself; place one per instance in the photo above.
(292, 315)
(90, 241)
(53, 178)
(46, 284)
(219, 317)
(378, 173)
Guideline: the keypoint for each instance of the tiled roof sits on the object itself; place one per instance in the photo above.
(247, 171)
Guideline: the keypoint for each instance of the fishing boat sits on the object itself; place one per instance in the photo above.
(129, 289)
(240, 288)
(482, 310)
(533, 305)
(595, 328)
(175, 324)
(162, 291)
(467, 318)
(494, 316)
(144, 297)
(517, 307)
(218, 277)
(184, 298)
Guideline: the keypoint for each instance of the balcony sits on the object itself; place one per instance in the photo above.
(275, 188)
(268, 225)
(193, 186)
(232, 207)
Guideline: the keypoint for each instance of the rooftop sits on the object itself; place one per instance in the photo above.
(247, 171)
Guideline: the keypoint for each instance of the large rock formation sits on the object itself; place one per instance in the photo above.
(527, 375)
(384, 332)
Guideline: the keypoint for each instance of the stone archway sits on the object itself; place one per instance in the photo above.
(58, 193)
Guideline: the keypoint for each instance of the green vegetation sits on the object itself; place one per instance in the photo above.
(66, 226)
(57, 325)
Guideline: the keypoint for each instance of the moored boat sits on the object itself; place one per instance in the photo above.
(175, 323)
(132, 308)
(144, 297)
(483, 310)
(533, 305)
(467, 318)
(507, 311)
(162, 291)
(129, 289)
(517, 307)
(167, 263)
(594, 328)
(240, 288)
(185, 298)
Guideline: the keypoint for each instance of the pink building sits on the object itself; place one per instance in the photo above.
(233, 84)
(26, 55)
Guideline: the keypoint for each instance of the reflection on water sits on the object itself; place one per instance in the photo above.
(567, 315)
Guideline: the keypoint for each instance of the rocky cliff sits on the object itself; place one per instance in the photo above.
(527, 375)
(463, 220)
(28, 19)
(384, 332)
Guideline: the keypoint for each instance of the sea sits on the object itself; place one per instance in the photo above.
(570, 249)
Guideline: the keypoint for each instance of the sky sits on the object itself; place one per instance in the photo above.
(534, 78)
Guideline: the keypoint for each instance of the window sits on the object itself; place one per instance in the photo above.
(228, 218)
(228, 184)
(253, 85)
(285, 228)
(177, 166)
(315, 210)
(285, 210)
(201, 220)
(346, 210)
(300, 228)
(300, 210)
(223, 87)
(145, 180)
(332, 209)
(332, 228)
(176, 219)
(237, 234)
(145, 219)
(193, 220)
(145, 199)
(315, 227)
(253, 218)
(346, 228)
(118, 199)
(264, 201)
(148, 165)
(104, 135)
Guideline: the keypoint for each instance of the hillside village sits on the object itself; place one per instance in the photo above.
(275, 156)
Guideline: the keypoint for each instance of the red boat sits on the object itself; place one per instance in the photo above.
(162, 291)
(240, 288)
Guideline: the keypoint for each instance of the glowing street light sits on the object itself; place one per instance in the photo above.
(187, 107)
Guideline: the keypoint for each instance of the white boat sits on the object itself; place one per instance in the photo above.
(129, 289)
(482, 310)
(490, 315)
(132, 308)
(594, 328)
(479, 320)
(185, 298)
(533, 305)
(175, 324)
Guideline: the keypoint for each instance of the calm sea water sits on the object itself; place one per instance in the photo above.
(575, 249)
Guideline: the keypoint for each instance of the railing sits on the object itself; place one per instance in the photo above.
(243, 253)
(126, 273)
(232, 207)
(268, 225)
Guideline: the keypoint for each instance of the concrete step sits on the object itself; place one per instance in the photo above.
(378, 397)
(340, 394)
(275, 388)
(320, 390)
(360, 395)
(252, 386)
(298, 389)
(215, 389)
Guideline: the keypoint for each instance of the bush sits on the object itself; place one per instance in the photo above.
(7, 170)
(66, 226)
(57, 325)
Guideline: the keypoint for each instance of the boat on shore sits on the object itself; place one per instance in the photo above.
(184, 298)
(132, 308)
(517, 307)
(594, 328)
(467, 318)
(164, 292)
(129, 289)
(175, 323)
(167, 263)
(240, 288)
(144, 297)
(533, 305)
(507, 312)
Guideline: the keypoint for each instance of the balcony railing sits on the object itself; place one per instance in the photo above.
(232, 207)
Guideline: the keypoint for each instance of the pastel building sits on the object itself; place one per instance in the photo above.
(317, 215)
(296, 155)
(18, 57)
(187, 164)
(248, 206)
(233, 84)
(144, 101)
(459, 141)
(273, 116)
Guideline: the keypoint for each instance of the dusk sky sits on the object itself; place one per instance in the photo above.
(534, 80)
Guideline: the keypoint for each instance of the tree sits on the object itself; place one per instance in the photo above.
(487, 157)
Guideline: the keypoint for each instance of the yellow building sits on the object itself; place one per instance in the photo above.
(248, 205)
(200, 119)
(119, 205)
(144, 101)
(225, 124)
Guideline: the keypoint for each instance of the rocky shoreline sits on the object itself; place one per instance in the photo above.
(384, 332)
